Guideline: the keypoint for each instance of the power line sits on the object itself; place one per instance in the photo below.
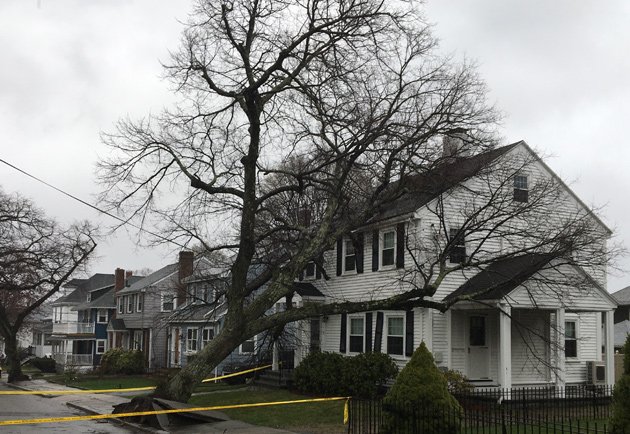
(94, 207)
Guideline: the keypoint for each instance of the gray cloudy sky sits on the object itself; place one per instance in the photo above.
(70, 68)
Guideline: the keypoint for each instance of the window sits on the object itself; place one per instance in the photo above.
(101, 316)
(137, 340)
(395, 335)
(139, 302)
(570, 339)
(129, 303)
(356, 335)
(349, 256)
(521, 191)
(248, 346)
(388, 249)
(191, 340)
(309, 272)
(101, 345)
(457, 253)
(206, 336)
(167, 302)
(120, 305)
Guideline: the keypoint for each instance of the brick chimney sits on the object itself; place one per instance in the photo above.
(119, 279)
(186, 260)
(128, 275)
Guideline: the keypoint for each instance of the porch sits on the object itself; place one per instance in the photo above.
(510, 346)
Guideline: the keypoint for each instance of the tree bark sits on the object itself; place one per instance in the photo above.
(14, 368)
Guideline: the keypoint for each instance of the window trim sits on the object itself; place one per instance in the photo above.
(140, 342)
(140, 302)
(121, 305)
(344, 256)
(456, 248)
(240, 347)
(386, 335)
(350, 318)
(192, 341)
(163, 296)
(205, 342)
(306, 273)
(576, 339)
(518, 196)
(104, 341)
(98, 316)
(129, 304)
(381, 249)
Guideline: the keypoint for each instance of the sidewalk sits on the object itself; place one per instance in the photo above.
(103, 403)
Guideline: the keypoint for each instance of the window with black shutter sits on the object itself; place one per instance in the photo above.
(388, 248)
(395, 335)
(309, 272)
(457, 253)
(570, 339)
(349, 256)
(357, 335)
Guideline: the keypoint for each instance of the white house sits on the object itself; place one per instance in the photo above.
(524, 319)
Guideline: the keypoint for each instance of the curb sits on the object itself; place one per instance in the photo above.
(26, 389)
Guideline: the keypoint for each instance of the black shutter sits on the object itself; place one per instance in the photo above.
(358, 248)
(318, 271)
(378, 335)
(339, 257)
(409, 333)
(375, 251)
(400, 245)
(368, 332)
(342, 335)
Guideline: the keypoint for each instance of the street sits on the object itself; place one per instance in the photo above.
(33, 406)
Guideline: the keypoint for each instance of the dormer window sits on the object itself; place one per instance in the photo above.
(309, 272)
(521, 190)
(349, 256)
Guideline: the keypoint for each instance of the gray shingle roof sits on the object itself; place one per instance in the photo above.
(105, 299)
(622, 296)
(622, 329)
(501, 277)
(151, 278)
(422, 188)
(306, 289)
(79, 295)
(116, 324)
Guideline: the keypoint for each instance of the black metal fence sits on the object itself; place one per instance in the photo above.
(536, 410)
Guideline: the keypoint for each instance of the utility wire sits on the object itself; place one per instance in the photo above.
(94, 207)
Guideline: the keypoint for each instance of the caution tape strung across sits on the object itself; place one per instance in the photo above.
(171, 411)
(128, 389)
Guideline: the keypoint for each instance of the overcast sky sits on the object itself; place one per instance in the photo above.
(559, 70)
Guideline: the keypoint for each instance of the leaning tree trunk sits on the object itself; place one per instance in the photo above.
(180, 387)
(14, 367)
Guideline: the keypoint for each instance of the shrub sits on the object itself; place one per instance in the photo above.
(120, 361)
(457, 382)
(321, 374)
(330, 374)
(419, 400)
(367, 373)
(620, 420)
(44, 364)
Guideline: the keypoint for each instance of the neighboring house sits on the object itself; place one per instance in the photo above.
(622, 316)
(483, 337)
(42, 332)
(143, 308)
(74, 342)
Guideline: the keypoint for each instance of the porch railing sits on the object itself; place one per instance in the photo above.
(73, 359)
(73, 328)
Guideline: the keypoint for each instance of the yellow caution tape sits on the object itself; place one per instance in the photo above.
(129, 389)
(171, 411)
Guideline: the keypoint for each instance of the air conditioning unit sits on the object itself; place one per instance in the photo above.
(595, 372)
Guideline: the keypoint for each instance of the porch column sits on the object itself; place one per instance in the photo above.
(275, 361)
(610, 348)
(505, 346)
(449, 337)
(559, 344)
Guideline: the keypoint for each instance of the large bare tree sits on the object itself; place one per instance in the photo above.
(37, 256)
(299, 122)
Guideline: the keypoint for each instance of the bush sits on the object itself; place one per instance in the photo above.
(367, 373)
(457, 382)
(620, 420)
(120, 361)
(331, 374)
(419, 400)
(44, 364)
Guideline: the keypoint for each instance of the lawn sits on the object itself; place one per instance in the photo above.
(319, 417)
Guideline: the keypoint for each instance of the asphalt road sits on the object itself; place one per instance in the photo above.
(32, 406)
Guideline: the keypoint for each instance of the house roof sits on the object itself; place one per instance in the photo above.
(422, 188)
(622, 296)
(500, 278)
(116, 324)
(97, 281)
(106, 299)
(305, 289)
(622, 329)
(152, 278)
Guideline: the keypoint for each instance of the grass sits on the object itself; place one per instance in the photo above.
(320, 417)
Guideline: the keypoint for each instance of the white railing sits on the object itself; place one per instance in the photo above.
(73, 328)
(73, 359)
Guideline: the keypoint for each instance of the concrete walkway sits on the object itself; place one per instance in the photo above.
(103, 403)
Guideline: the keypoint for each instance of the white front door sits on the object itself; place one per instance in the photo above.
(478, 348)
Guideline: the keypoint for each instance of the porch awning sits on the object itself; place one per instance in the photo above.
(501, 277)
(116, 325)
